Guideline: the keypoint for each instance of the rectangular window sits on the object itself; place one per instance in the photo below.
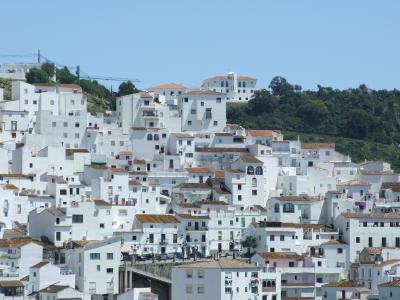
(110, 256)
(110, 270)
(77, 218)
(58, 236)
(94, 256)
(189, 273)
(208, 113)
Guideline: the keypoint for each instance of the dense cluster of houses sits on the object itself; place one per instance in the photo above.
(165, 177)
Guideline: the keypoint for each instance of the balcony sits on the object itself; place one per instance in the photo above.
(193, 228)
(163, 242)
(270, 289)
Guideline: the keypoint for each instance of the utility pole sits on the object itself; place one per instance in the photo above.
(38, 56)
(78, 70)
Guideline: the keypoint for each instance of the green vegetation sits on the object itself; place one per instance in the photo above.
(99, 97)
(363, 123)
(5, 84)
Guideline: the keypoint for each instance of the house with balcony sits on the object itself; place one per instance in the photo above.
(217, 279)
(17, 256)
(95, 265)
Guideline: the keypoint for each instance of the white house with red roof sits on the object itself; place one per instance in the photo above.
(238, 88)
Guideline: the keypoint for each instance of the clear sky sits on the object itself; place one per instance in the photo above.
(339, 43)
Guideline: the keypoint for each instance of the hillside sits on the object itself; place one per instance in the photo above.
(363, 123)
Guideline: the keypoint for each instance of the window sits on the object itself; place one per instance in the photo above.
(110, 270)
(54, 124)
(259, 170)
(189, 123)
(149, 137)
(215, 123)
(357, 239)
(58, 236)
(254, 182)
(339, 250)
(110, 256)
(291, 264)
(383, 242)
(276, 208)
(208, 113)
(254, 192)
(94, 256)
(288, 208)
(219, 100)
(200, 289)
(189, 273)
(98, 268)
(77, 125)
(186, 99)
(189, 289)
(272, 238)
(77, 218)
(239, 187)
(250, 170)
(282, 237)
(193, 111)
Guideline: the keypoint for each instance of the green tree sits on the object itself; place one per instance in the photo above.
(65, 76)
(262, 102)
(49, 68)
(127, 88)
(37, 76)
(280, 86)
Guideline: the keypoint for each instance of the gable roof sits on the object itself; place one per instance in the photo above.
(260, 132)
(152, 218)
(318, 146)
(168, 86)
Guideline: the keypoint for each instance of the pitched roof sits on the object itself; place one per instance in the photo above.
(16, 243)
(150, 218)
(199, 170)
(394, 283)
(260, 132)
(318, 146)
(101, 202)
(168, 86)
(53, 288)
(373, 250)
(394, 186)
(354, 182)
(219, 264)
(280, 255)
(359, 215)
(250, 160)
(11, 283)
(293, 198)
(41, 264)
(55, 211)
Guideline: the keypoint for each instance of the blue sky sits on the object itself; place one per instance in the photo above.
(339, 43)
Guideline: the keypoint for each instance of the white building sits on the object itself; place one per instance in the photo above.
(236, 87)
(223, 279)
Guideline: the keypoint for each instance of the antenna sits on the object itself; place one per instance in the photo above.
(38, 56)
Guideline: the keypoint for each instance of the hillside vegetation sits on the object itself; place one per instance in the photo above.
(363, 123)
(99, 97)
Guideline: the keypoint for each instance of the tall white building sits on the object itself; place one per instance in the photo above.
(236, 87)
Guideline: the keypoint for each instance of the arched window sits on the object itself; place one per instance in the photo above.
(264, 284)
(276, 207)
(156, 137)
(149, 137)
(250, 170)
(259, 170)
(288, 208)
(268, 283)
(254, 182)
